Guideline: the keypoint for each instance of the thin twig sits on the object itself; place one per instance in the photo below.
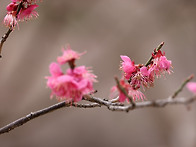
(41, 112)
(156, 49)
(182, 85)
(19, 8)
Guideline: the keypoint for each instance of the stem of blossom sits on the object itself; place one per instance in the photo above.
(72, 64)
(4, 38)
(156, 49)
(19, 8)
(6, 35)
(182, 85)
(124, 91)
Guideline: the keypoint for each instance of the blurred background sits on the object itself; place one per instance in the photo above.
(105, 29)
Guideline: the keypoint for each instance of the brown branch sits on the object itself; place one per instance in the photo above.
(41, 112)
(97, 102)
(4, 38)
(156, 103)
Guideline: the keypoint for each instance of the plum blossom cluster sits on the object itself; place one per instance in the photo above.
(20, 10)
(72, 84)
(137, 76)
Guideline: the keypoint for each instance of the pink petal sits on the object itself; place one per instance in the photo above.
(55, 69)
(164, 63)
(144, 71)
(122, 97)
(68, 55)
(125, 58)
(28, 13)
(127, 66)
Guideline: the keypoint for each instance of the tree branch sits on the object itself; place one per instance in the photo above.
(41, 112)
(156, 103)
(97, 102)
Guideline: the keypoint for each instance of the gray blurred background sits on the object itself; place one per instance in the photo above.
(105, 29)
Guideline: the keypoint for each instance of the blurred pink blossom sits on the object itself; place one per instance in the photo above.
(191, 87)
(72, 85)
(68, 55)
(76, 82)
(55, 69)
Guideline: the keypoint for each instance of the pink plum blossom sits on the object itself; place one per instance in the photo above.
(135, 94)
(72, 85)
(164, 64)
(144, 71)
(141, 78)
(55, 69)
(138, 76)
(191, 87)
(127, 66)
(68, 55)
(84, 78)
(12, 7)
(64, 87)
(160, 64)
(27, 11)
(10, 20)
